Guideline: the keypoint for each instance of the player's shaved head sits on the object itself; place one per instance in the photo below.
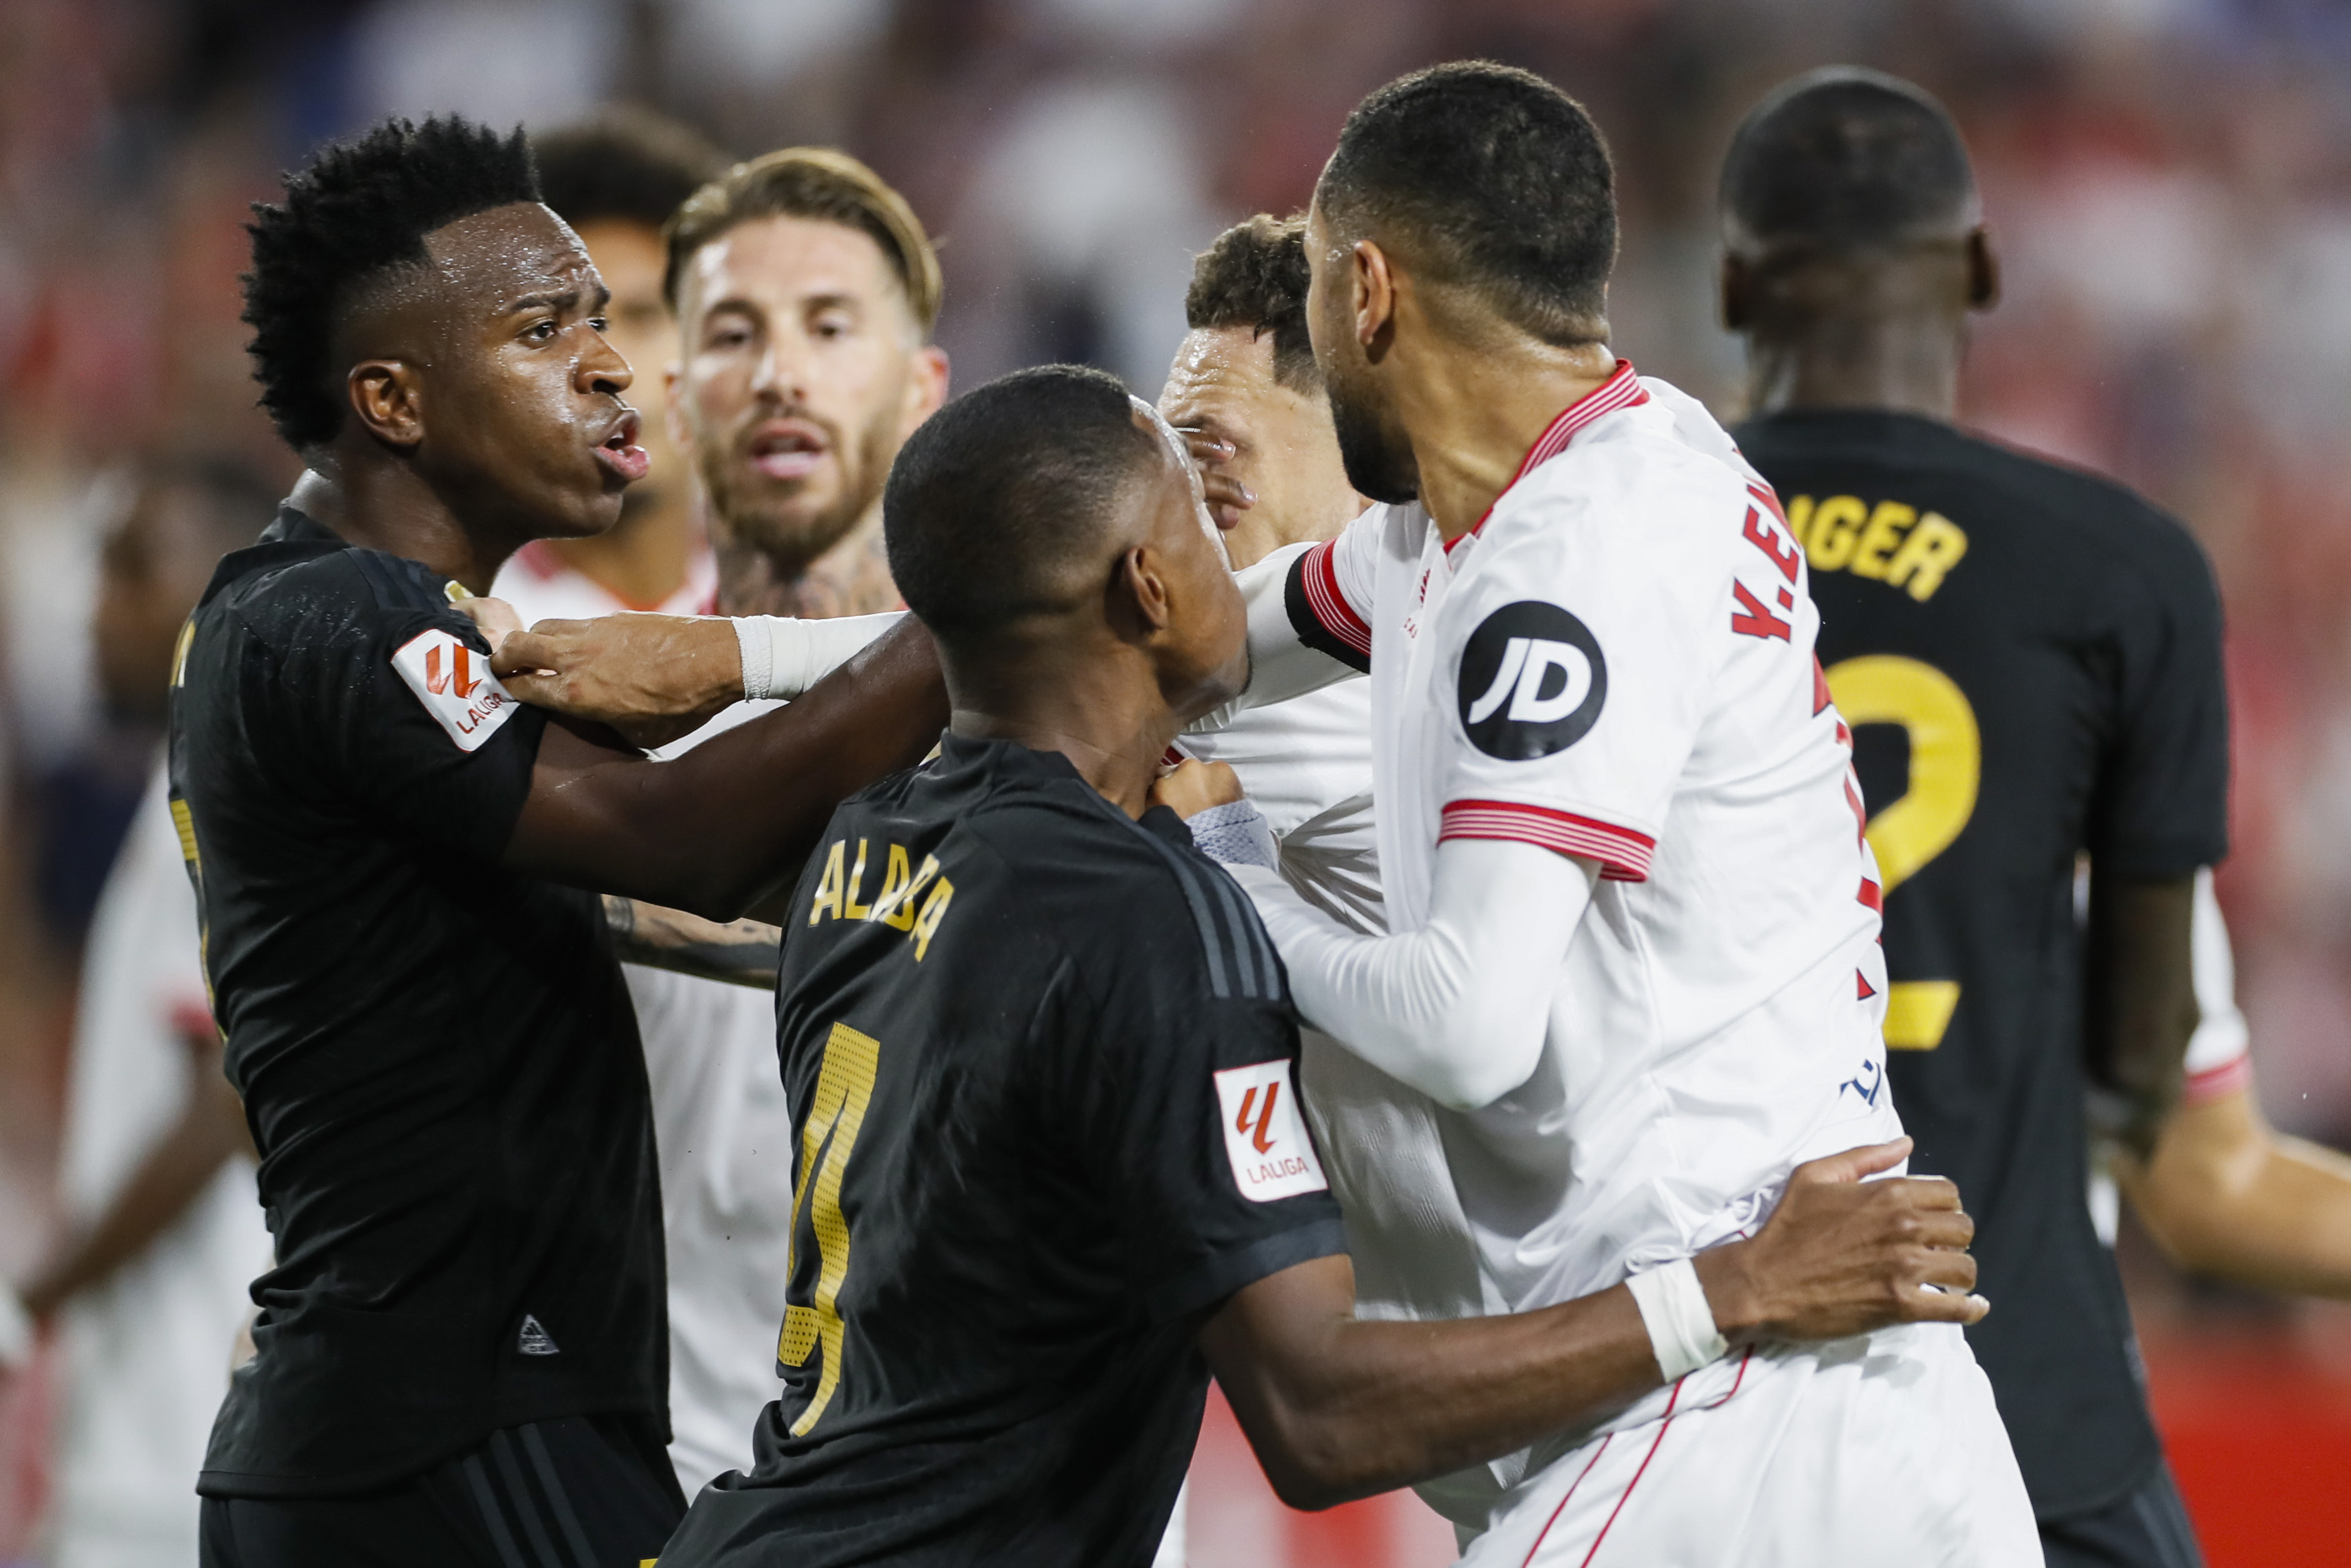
(1002, 507)
(1487, 179)
(1846, 160)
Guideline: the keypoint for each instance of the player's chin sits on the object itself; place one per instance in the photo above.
(581, 513)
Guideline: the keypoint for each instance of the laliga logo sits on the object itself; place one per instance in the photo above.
(1265, 1137)
(1533, 681)
(455, 680)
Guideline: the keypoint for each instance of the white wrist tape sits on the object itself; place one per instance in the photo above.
(758, 647)
(1681, 1324)
(1236, 834)
(16, 1330)
(783, 657)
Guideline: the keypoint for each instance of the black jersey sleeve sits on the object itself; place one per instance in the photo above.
(391, 708)
(1198, 1114)
(2161, 800)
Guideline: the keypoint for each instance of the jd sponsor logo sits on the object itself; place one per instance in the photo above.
(455, 683)
(1533, 681)
(1265, 1137)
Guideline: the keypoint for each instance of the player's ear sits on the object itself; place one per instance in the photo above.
(1139, 606)
(1374, 297)
(926, 386)
(1983, 270)
(1734, 285)
(387, 397)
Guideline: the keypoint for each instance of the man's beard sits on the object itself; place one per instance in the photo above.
(774, 524)
(1379, 461)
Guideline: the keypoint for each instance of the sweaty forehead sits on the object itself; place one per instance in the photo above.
(505, 252)
(1214, 367)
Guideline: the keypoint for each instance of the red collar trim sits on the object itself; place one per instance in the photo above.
(1621, 389)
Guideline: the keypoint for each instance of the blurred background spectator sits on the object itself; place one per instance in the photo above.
(2169, 182)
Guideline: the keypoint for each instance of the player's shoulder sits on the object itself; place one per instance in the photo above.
(298, 591)
(1130, 902)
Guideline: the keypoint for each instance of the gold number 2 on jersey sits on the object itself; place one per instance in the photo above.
(1946, 765)
(844, 1085)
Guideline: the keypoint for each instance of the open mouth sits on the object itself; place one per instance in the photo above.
(620, 452)
(788, 450)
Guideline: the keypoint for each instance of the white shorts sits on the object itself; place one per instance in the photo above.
(1882, 1449)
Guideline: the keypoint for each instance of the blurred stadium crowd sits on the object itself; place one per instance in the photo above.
(2170, 179)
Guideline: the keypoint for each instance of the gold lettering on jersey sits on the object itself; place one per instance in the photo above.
(934, 909)
(1881, 533)
(179, 651)
(1891, 542)
(894, 881)
(851, 909)
(844, 1087)
(828, 886)
(1836, 522)
(1927, 557)
(184, 822)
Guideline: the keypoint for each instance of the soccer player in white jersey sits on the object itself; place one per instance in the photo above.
(616, 178)
(1245, 393)
(1634, 977)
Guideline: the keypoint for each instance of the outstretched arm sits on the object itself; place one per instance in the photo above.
(1338, 1408)
(719, 829)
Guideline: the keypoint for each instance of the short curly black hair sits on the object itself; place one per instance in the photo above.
(1496, 182)
(1255, 276)
(362, 208)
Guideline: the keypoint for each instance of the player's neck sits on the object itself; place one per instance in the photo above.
(385, 506)
(1100, 707)
(1904, 365)
(644, 559)
(851, 577)
(1473, 411)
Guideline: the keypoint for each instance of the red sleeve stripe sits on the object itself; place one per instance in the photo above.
(1329, 605)
(2219, 1083)
(1624, 854)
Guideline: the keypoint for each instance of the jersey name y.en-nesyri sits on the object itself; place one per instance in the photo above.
(438, 1058)
(2031, 658)
(1042, 1063)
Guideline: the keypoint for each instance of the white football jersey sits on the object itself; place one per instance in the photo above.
(556, 590)
(1618, 664)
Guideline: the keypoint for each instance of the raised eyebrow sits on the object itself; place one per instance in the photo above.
(558, 301)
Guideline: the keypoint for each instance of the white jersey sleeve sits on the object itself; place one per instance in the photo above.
(1581, 677)
(1309, 617)
(2220, 1060)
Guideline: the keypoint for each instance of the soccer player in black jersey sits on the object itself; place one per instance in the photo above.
(460, 1354)
(2029, 657)
(1050, 1169)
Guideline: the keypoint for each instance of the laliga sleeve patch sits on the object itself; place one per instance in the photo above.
(1265, 1137)
(1533, 681)
(455, 683)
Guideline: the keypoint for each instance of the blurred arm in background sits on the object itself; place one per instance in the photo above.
(2221, 1191)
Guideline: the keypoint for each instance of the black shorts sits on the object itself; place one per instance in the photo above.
(2149, 1529)
(580, 1492)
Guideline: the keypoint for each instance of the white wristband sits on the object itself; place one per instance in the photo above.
(1236, 834)
(759, 655)
(16, 1330)
(1681, 1324)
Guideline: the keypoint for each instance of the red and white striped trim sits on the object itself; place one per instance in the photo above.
(1320, 573)
(1623, 853)
(1623, 389)
(2231, 1077)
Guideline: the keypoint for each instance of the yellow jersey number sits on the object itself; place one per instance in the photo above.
(844, 1086)
(1946, 765)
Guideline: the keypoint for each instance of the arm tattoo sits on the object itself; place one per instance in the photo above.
(739, 952)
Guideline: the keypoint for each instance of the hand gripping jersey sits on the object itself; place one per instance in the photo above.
(1617, 665)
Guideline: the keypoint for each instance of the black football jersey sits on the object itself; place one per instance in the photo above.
(438, 1058)
(2030, 659)
(1042, 1060)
